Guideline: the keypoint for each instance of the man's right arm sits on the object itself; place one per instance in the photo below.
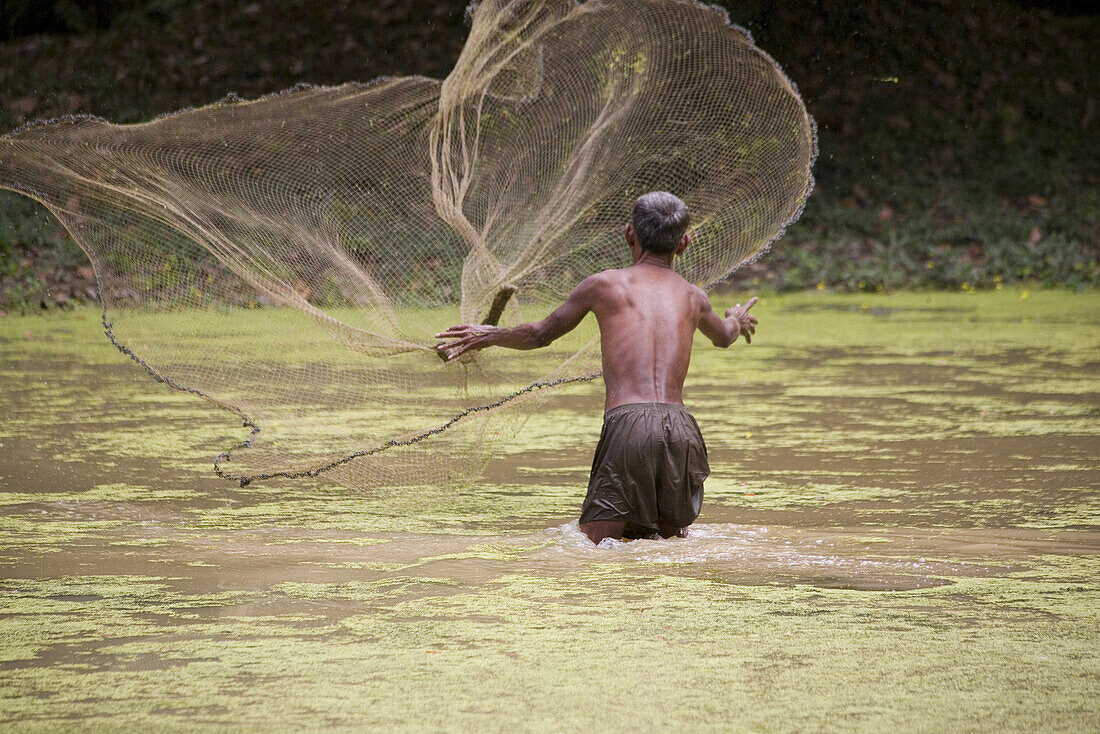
(525, 336)
(724, 332)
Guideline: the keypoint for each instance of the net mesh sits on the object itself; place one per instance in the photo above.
(289, 258)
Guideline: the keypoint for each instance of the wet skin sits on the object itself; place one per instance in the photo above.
(647, 314)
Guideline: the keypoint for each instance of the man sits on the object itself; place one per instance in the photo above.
(647, 475)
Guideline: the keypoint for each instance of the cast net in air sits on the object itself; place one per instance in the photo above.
(290, 258)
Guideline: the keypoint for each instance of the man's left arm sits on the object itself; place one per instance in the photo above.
(531, 335)
(723, 332)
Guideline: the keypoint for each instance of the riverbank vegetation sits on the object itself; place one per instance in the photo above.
(959, 142)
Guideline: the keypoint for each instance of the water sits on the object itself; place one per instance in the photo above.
(902, 530)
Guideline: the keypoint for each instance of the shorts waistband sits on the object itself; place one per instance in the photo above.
(646, 407)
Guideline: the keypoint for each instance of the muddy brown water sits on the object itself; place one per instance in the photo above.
(866, 462)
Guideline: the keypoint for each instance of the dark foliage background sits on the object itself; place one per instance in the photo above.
(959, 140)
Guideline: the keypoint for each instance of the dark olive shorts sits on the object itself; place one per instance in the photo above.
(650, 464)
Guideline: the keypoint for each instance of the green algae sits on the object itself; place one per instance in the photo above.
(516, 651)
(931, 559)
(99, 493)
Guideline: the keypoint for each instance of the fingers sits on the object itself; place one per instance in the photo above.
(458, 352)
(742, 310)
(454, 331)
(748, 328)
(463, 337)
(456, 348)
(468, 339)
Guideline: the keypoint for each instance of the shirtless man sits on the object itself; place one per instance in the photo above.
(647, 475)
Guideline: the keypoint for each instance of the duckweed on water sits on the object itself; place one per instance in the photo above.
(512, 653)
(902, 531)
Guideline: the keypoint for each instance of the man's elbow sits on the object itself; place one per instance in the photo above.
(538, 338)
(724, 342)
(542, 339)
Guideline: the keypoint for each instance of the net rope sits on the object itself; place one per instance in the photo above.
(289, 258)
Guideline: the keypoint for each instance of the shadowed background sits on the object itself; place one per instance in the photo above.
(959, 141)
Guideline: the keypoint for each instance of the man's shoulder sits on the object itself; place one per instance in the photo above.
(615, 276)
(595, 288)
(604, 278)
(690, 288)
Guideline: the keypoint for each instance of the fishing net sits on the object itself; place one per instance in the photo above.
(289, 258)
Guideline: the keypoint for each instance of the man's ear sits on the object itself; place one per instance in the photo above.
(631, 237)
(684, 242)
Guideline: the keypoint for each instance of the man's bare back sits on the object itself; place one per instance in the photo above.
(647, 314)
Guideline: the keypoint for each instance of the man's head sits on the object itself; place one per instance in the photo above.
(660, 223)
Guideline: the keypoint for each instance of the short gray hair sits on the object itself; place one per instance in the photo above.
(660, 220)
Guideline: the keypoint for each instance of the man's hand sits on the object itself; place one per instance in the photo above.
(741, 323)
(466, 338)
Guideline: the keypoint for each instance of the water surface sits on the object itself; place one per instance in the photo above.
(902, 530)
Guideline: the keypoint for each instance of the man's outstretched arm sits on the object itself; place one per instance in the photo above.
(525, 336)
(723, 332)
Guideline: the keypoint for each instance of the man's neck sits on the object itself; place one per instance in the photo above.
(655, 260)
